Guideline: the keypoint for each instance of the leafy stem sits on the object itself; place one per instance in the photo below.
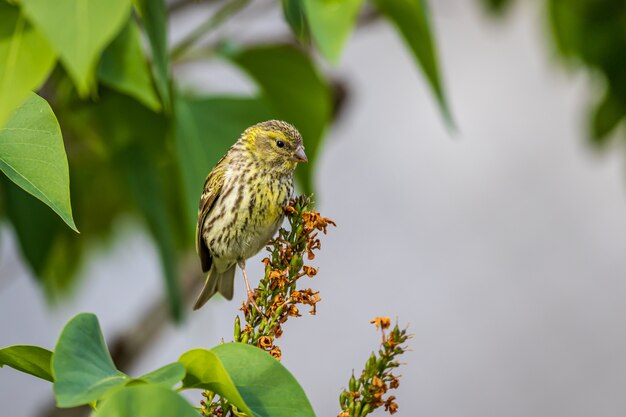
(277, 295)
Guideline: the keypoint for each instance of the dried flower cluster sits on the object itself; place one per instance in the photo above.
(277, 295)
(366, 394)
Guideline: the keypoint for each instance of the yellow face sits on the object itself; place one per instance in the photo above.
(277, 143)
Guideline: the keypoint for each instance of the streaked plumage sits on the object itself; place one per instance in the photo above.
(243, 200)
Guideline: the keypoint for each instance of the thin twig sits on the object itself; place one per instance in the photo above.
(226, 11)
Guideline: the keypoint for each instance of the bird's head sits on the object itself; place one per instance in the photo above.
(275, 143)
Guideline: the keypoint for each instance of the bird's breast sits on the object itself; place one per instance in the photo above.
(247, 214)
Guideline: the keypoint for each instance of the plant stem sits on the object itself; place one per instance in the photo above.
(227, 10)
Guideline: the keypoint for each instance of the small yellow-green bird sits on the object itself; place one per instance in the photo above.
(243, 202)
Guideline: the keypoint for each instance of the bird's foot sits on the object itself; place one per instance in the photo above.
(254, 304)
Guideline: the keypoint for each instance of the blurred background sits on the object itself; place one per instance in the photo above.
(499, 241)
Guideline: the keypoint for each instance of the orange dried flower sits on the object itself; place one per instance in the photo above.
(265, 342)
(390, 405)
(377, 382)
(296, 296)
(313, 220)
(276, 352)
(309, 271)
(293, 311)
(279, 300)
(381, 322)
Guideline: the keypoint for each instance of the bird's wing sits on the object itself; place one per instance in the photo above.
(212, 188)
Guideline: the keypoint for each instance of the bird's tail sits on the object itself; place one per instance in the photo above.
(217, 282)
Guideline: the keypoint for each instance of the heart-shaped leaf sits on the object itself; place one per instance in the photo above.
(293, 11)
(412, 20)
(248, 377)
(146, 401)
(205, 370)
(606, 117)
(32, 360)
(79, 30)
(83, 369)
(124, 67)
(32, 155)
(331, 22)
(167, 375)
(154, 18)
(150, 194)
(26, 58)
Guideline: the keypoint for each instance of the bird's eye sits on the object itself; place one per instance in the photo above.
(280, 143)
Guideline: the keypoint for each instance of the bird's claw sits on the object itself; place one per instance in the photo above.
(254, 304)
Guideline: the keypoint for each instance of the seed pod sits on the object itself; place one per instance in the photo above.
(237, 328)
(352, 384)
(371, 362)
(343, 398)
(365, 410)
(357, 409)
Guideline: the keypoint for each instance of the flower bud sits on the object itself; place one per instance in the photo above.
(237, 328)
(352, 384)
(357, 409)
(343, 399)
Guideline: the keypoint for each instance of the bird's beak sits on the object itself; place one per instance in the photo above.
(299, 155)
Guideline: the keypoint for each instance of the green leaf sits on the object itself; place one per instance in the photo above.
(52, 250)
(412, 20)
(35, 225)
(143, 179)
(79, 30)
(331, 22)
(565, 25)
(205, 129)
(296, 93)
(498, 6)
(32, 360)
(293, 10)
(249, 378)
(124, 68)
(154, 17)
(26, 58)
(32, 155)
(141, 172)
(204, 370)
(146, 401)
(606, 117)
(167, 375)
(83, 369)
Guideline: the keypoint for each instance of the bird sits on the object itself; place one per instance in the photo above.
(243, 201)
